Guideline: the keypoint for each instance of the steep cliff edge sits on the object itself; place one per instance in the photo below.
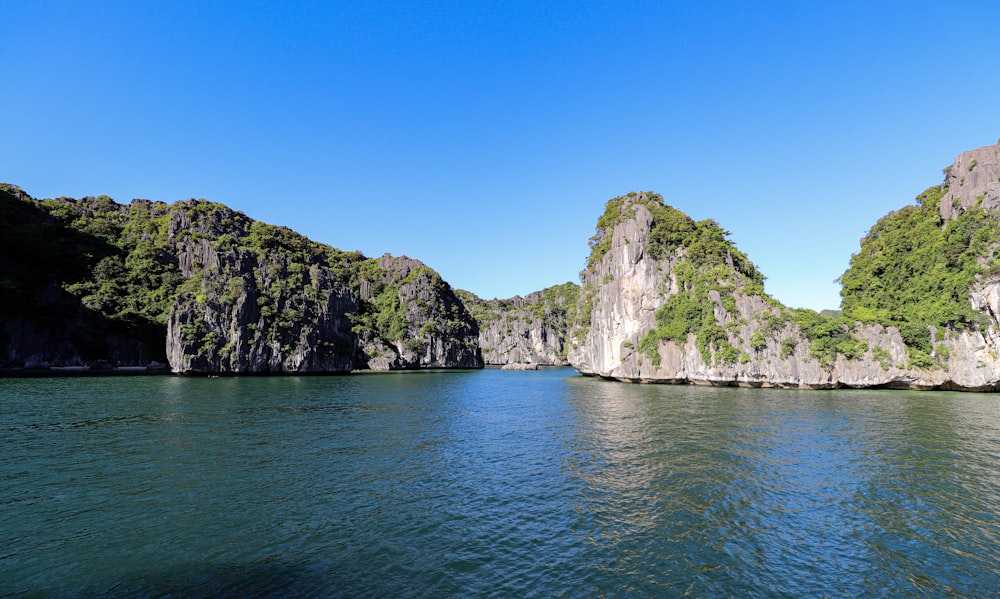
(255, 298)
(210, 290)
(260, 298)
(82, 283)
(973, 180)
(411, 318)
(668, 299)
(525, 330)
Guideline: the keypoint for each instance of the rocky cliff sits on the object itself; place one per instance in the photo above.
(525, 330)
(256, 299)
(70, 281)
(667, 299)
(259, 298)
(411, 318)
(663, 298)
(212, 291)
(973, 180)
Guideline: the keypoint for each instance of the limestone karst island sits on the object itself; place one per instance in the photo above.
(197, 288)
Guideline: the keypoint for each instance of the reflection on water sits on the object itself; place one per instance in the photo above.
(493, 483)
(799, 493)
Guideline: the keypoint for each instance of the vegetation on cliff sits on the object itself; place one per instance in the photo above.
(703, 261)
(97, 272)
(919, 300)
(914, 272)
(91, 279)
(556, 303)
(706, 276)
(533, 328)
(88, 271)
(405, 301)
(704, 243)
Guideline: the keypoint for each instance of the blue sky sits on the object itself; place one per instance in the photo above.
(484, 138)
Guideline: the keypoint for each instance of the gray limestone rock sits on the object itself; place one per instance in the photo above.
(525, 330)
(974, 179)
(284, 304)
(247, 312)
(753, 340)
(421, 322)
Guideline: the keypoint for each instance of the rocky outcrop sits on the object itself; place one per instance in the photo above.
(525, 330)
(211, 291)
(418, 321)
(668, 300)
(973, 180)
(53, 311)
(283, 304)
(519, 366)
(663, 298)
(247, 311)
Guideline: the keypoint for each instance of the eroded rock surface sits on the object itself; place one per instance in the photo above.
(249, 311)
(973, 180)
(425, 326)
(525, 330)
(212, 291)
(721, 329)
(285, 304)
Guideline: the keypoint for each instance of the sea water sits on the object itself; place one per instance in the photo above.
(492, 484)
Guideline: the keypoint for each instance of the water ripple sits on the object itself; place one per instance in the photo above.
(493, 484)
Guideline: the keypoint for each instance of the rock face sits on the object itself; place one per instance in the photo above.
(54, 310)
(292, 306)
(426, 326)
(974, 179)
(525, 330)
(244, 311)
(665, 299)
(519, 366)
(212, 291)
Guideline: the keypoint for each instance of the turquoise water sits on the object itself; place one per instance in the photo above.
(492, 484)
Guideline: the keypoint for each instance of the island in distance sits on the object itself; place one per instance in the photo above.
(663, 298)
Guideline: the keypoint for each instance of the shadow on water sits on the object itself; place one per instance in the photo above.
(256, 579)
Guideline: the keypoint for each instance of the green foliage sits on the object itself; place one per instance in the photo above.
(114, 269)
(614, 214)
(788, 345)
(726, 354)
(828, 337)
(942, 353)
(920, 359)
(416, 345)
(93, 263)
(393, 311)
(705, 243)
(705, 261)
(554, 307)
(882, 356)
(772, 322)
(558, 301)
(383, 315)
(579, 323)
(914, 271)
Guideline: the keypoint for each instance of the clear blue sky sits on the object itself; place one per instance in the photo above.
(485, 137)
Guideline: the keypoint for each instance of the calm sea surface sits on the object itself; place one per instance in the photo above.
(492, 484)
